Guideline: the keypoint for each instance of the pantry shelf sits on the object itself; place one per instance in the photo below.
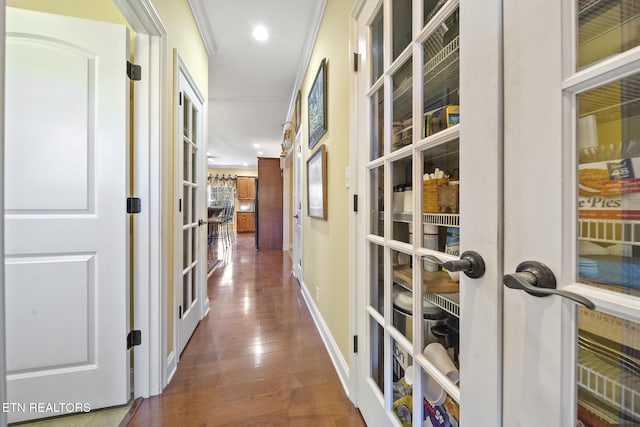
(609, 231)
(448, 302)
(445, 220)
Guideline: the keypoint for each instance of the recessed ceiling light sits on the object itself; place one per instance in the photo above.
(256, 145)
(245, 164)
(260, 153)
(208, 153)
(260, 33)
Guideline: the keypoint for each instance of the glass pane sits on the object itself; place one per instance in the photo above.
(377, 124)
(185, 161)
(194, 243)
(402, 107)
(402, 200)
(193, 284)
(185, 291)
(377, 354)
(442, 77)
(402, 293)
(377, 46)
(185, 117)
(438, 408)
(194, 164)
(377, 200)
(608, 144)
(186, 259)
(377, 278)
(431, 7)
(606, 28)
(194, 210)
(401, 26)
(402, 390)
(186, 204)
(608, 371)
(194, 125)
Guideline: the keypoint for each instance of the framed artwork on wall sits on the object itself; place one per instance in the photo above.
(317, 105)
(317, 184)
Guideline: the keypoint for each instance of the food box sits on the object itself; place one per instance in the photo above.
(440, 119)
(609, 190)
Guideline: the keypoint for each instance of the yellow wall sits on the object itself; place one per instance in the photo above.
(98, 10)
(326, 249)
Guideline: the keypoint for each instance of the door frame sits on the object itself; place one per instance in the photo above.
(297, 198)
(150, 141)
(150, 377)
(180, 68)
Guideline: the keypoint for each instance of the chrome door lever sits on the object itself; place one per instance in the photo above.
(470, 263)
(538, 280)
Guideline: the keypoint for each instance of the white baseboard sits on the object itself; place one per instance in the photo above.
(172, 366)
(338, 361)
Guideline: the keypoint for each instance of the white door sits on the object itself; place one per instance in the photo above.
(297, 206)
(429, 176)
(572, 202)
(191, 172)
(67, 252)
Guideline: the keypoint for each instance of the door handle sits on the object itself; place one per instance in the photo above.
(201, 222)
(538, 280)
(470, 263)
(296, 216)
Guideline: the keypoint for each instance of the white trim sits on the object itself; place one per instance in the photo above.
(171, 365)
(330, 344)
(286, 212)
(199, 13)
(356, 10)
(149, 372)
(3, 376)
(307, 50)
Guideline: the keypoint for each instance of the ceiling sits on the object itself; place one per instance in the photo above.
(251, 83)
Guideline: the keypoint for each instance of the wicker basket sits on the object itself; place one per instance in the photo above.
(448, 198)
(430, 194)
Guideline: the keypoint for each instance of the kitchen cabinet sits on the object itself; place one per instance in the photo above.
(246, 222)
(246, 187)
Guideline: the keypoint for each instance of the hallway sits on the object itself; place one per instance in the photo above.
(256, 359)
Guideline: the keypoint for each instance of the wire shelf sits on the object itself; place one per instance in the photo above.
(448, 302)
(610, 231)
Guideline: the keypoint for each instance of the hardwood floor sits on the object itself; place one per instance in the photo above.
(256, 359)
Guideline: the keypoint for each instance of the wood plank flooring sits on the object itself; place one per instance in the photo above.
(256, 359)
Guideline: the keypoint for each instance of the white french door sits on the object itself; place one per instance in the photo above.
(67, 251)
(191, 288)
(572, 202)
(429, 175)
(297, 206)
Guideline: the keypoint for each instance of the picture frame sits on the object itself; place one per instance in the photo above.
(317, 105)
(317, 184)
(297, 116)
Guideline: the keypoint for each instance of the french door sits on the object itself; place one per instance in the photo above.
(572, 132)
(430, 176)
(191, 289)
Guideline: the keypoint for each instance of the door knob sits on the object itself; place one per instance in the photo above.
(538, 280)
(470, 263)
(296, 216)
(201, 222)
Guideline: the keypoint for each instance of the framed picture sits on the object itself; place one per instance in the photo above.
(317, 105)
(317, 184)
(297, 117)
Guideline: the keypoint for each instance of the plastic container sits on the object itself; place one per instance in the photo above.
(403, 313)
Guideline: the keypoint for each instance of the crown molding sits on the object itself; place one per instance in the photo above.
(204, 26)
(307, 50)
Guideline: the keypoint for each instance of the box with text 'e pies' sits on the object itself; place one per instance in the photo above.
(609, 190)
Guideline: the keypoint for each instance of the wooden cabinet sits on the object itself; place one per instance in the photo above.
(246, 187)
(246, 222)
(269, 204)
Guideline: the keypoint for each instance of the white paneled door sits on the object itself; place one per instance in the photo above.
(297, 206)
(66, 181)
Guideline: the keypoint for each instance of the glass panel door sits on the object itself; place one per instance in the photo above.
(411, 157)
(580, 360)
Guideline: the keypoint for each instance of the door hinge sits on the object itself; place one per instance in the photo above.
(355, 344)
(355, 203)
(134, 338)
(180, 100)
(134, 205)
(356, 60)
(134, 72)
(179, 205)
(180, 312)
